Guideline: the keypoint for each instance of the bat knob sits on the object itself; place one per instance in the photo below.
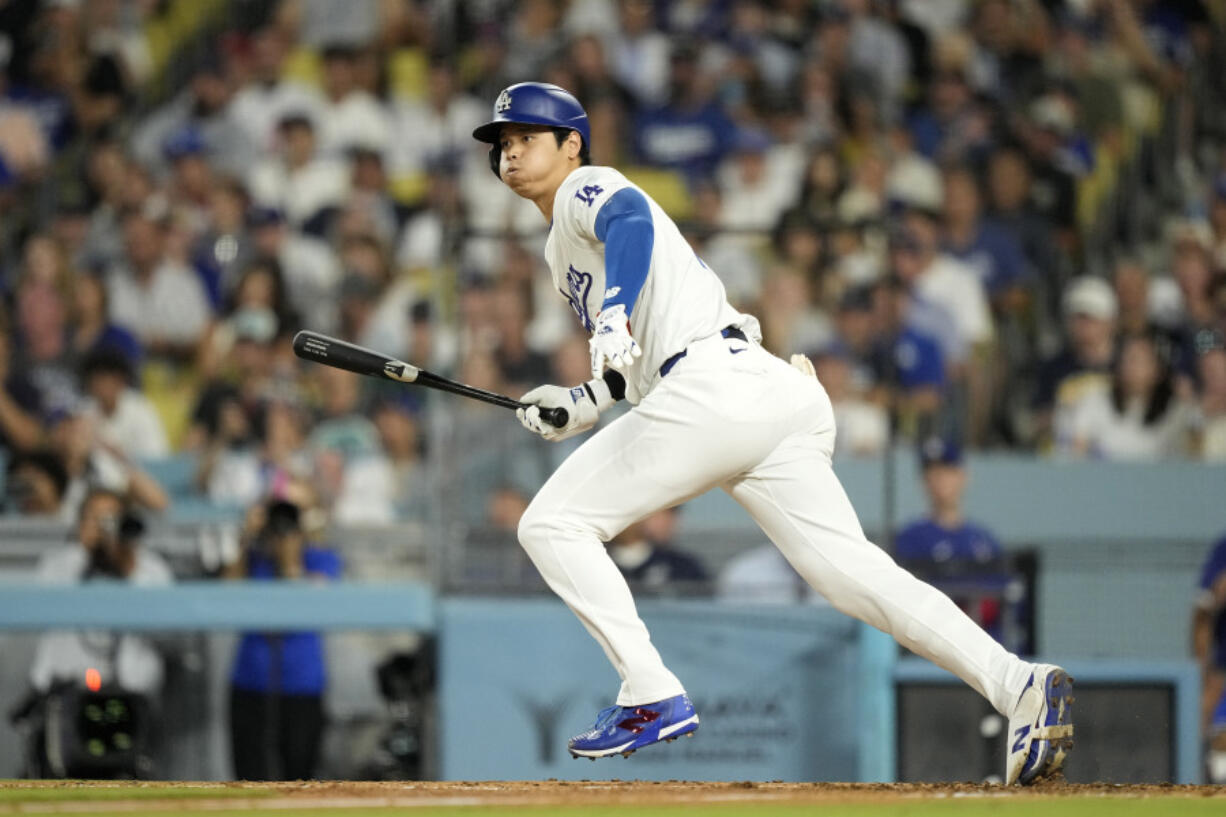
(556, 417)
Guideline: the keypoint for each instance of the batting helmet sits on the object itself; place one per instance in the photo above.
(535, 103)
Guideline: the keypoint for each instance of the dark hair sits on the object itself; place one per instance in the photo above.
(1163, 391)
(561, 134)
(45, 460)
(106, 360)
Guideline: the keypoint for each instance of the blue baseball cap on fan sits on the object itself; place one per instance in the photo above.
(938, 450)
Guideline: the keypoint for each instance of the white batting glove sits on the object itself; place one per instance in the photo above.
(583, 405)
(803, 365)
(611, 343)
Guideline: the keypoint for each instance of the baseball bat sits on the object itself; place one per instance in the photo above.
(351, 357)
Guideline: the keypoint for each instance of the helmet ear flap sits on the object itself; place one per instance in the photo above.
(496, 159)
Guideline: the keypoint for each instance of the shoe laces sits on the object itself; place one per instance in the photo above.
(606, 716)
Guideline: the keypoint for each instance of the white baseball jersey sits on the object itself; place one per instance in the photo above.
(728, 415)
(681, 301)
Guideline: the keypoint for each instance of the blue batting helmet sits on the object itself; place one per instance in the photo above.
(535, 103)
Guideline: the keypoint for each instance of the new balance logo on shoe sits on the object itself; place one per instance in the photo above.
(1021, 734)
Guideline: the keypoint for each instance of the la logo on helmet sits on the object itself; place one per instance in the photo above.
(503, 103)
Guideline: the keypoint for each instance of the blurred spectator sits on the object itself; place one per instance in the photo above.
(655, 568)
(258, 309)
(404, 476)
(20, 401)
(906, 363)
(154, 296)
(980, 243)
(307, 267)
(1084, 363)
(953, 127)
(1192, 270)
(92, 329)
(41, 315)
(1209, 649)
(239, 467)
(265, 99)
(690, 132)
(1211, 370)
(434, 234)
(108, 546)
(35, 484)
(351, 117)
(639, 54)
(789, 318)
(522, 367)
(763, 575)
(863, 426)
(1138, 417)
(278, 681)
(945, 545)
(1012, 203)
(298, 179)
(1217, 221)
(93, 465)
(758, 182)
(124, 418)
(231, 402)
(202, 108)
(442, 123)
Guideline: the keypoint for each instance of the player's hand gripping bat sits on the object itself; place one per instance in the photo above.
(334, 352)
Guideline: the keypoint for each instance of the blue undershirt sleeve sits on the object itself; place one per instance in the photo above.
(624, 225)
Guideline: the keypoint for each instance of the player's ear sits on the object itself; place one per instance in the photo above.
(574, 144)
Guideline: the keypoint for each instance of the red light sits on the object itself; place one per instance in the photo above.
(93, 679)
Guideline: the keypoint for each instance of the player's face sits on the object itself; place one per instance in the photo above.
(533, 164)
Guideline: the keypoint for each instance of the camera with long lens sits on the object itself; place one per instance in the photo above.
(282, 519)
(117, 531)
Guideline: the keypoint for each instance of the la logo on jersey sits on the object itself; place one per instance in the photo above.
(579, 285)
(503, 103)
(589, 193)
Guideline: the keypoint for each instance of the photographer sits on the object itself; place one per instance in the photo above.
(89, 710)
(278, 682)
(108, 547)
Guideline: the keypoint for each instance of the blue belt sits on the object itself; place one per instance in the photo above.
(727, 332)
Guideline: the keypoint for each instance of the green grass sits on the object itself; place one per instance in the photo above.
(1164, 807)
(13, 797)
(15, 792)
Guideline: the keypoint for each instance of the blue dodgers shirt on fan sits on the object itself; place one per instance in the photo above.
(1215, 568)
(297, 659)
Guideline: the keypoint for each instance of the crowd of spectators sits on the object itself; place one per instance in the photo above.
(922, 196)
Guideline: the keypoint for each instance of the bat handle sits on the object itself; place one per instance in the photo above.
(556, 417)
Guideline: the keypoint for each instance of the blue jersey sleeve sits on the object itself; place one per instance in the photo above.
(624, 225)
(1215, 565)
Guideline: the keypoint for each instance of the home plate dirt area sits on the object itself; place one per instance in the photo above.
(599, 797)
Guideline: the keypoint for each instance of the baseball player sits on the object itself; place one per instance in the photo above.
(711, 408)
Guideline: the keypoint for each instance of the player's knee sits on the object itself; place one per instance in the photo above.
(534, 528)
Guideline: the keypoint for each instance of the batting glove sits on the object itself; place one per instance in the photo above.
(611, 343)
(803, 365)
(583, 405)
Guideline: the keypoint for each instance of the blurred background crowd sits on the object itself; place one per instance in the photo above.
(1000, 221)
(993, 225)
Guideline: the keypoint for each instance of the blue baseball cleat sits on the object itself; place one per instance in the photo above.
(1040, 726)
(619, 730)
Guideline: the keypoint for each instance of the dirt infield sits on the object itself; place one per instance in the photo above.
(103, 797)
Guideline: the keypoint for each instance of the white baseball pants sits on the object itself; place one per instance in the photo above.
(733, 415)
